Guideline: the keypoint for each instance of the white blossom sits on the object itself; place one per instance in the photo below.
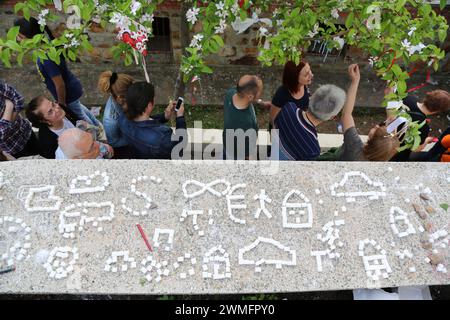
(235, 9)
(135, 6)
(196, 39)
(315, 30)
(220, 6)
(221, 27)
(221, 10)
(41, 17)
(417, 48)
(335, 13)
(339, 40)
(122, 22)
(412, 49)
(147, 17)
(74, 43)
(373, 60)
(280, 22)
(411, 31)
(191, 14)
(102, 8)
(406, 43)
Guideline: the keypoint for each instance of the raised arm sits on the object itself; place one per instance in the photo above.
(347, 111)
(9, 93)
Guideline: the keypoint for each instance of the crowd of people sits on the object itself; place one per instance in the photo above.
(130, 129)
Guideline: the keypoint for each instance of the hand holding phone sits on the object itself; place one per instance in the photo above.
(179, 102)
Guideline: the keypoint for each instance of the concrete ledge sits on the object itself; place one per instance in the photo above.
(273, 251)
(199, 139)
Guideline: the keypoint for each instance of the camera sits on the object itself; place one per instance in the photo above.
(179, 102)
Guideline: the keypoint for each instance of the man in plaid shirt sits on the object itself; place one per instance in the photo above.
(16, 135)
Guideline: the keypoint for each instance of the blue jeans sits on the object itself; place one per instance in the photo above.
(83, 113)
(111, 124)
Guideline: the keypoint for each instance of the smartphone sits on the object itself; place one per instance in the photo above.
(179, 102)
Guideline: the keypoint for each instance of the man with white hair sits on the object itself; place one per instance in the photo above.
(78, 144)
(296, 135)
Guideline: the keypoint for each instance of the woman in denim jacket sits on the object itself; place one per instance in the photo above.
(116, 85)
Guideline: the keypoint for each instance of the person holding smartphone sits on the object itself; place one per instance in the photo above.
(146, 133)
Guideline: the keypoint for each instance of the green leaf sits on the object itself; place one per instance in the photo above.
(19, 6)
(425, 9)
(416, 143)
(442, 4)
(12, 33)
(396, 70)
(401, 86)
(26, 13)
(400, 4)
(243, 15)
(444, 206)
(13, 45)
(128, 59)
(349, 20)
(20, 58)
(72, 55)
(219, 40)
(6, 56)
(442, 35)
(206, 69)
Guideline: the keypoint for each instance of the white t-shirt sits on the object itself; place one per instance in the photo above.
(67, 125)
(59, 154)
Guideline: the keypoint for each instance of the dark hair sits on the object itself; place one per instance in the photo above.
(139, 95)
(248, 87)
(30, 28)
(437, 101)
(290, 75)
(36, 118)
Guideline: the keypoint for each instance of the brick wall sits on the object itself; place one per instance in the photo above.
(239, 49)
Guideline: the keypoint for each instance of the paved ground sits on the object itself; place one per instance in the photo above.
(363, 218)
